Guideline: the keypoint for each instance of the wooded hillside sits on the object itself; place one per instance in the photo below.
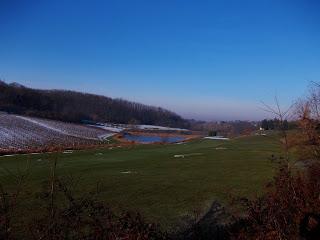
(74, 106)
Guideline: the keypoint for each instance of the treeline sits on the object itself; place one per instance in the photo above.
(276, 124)
(228, 129)
(74, 106)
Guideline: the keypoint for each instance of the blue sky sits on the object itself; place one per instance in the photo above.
(208, 60)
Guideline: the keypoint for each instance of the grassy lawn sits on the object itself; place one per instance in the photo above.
(149, 179)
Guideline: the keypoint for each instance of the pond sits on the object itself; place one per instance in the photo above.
(152, 139)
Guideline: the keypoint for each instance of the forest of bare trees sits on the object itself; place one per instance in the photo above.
(74, 106)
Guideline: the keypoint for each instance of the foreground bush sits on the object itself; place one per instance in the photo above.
(289, 210)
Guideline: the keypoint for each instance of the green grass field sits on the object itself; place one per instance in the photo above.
(149, 179)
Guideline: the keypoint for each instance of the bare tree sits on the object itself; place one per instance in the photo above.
(282, 115)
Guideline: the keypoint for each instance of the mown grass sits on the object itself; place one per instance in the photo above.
(163, 188)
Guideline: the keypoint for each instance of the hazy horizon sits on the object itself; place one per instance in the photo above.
(204, 60)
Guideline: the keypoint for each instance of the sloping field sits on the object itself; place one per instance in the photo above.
(165, 183)
(22, 133)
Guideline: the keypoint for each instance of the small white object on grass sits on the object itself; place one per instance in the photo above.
(217, 138)
(187, 155)
(68, 151)
(127, 172)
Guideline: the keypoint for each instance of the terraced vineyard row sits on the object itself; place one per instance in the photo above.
(19, 133)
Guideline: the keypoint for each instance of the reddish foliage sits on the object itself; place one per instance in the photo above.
(280, 213)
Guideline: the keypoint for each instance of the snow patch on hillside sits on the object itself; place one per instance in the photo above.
(108, 128)
(121, 127)
(43, 124)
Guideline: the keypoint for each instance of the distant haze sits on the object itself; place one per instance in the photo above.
(210, 60)
(214, 109)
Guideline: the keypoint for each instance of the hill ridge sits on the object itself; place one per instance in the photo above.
(74, 106)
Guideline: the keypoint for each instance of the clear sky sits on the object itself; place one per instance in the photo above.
(203, 59)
